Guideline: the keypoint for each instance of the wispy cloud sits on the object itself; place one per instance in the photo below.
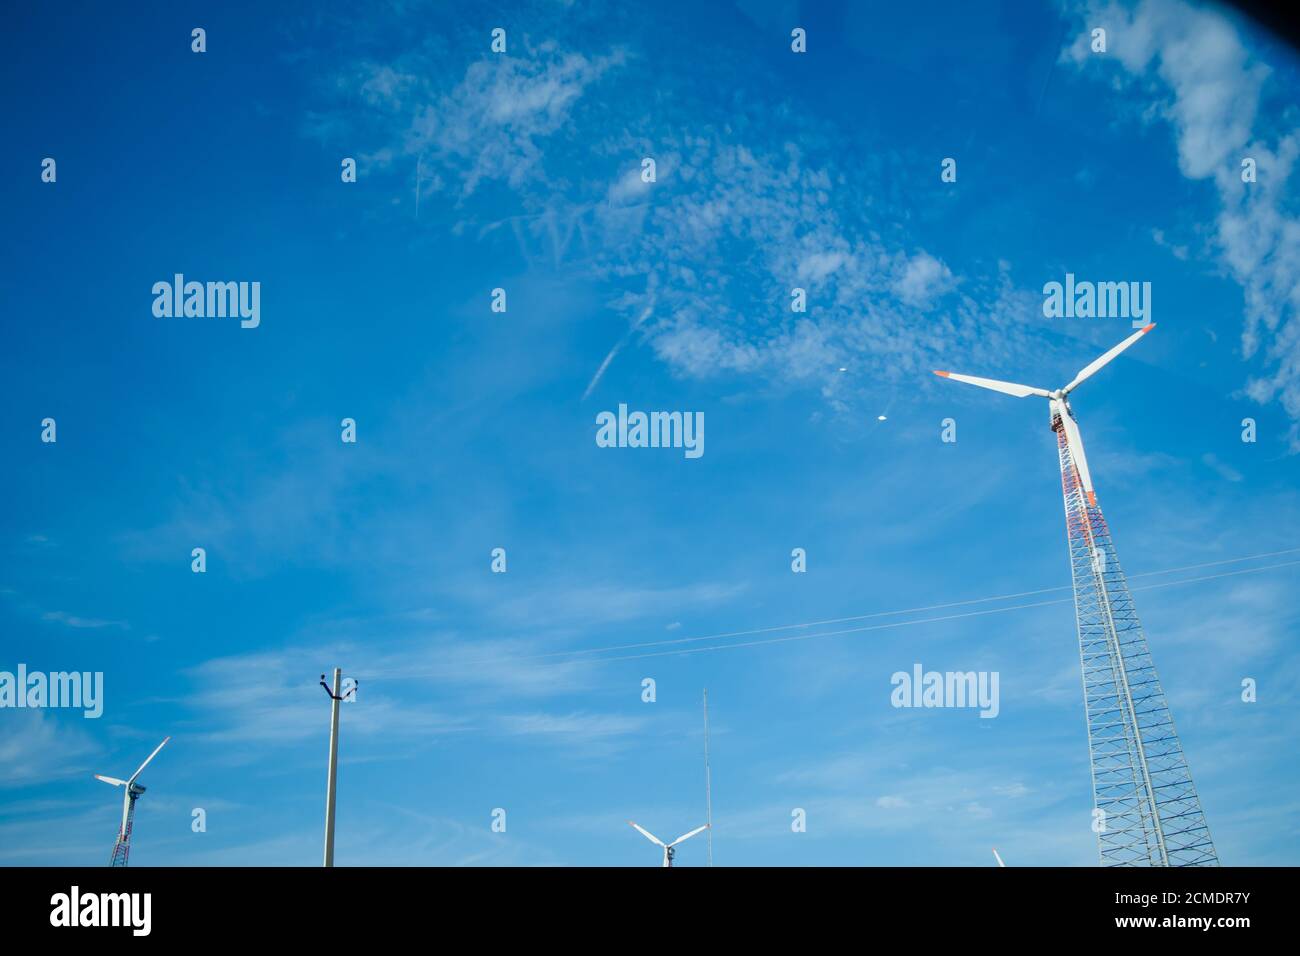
(65, 618)
(701, 262)
(36, 747)
(272, 697)
(81, 623)
(590, 733)
(1221, 468)
(488, 128)
(601, 603)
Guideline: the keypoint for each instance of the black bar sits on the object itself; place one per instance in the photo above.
(546, 907)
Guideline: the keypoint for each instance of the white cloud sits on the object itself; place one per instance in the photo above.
(1199, 57)
(922, 278)
(702, 262)
(1208, 86)
(818, 265)
(629, 187)
(491, 125)
(723, 255)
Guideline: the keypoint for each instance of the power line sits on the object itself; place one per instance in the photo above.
(929, 620)
(578, 656)
(708, 778)
(863, 617)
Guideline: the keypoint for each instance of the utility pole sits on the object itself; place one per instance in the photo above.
(708, 778)
(332, 788)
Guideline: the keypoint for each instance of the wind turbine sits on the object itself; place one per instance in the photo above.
(998, 857)
(669, 848)
(1147, 812)
(122, 848)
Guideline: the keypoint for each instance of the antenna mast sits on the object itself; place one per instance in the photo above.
(708, 778)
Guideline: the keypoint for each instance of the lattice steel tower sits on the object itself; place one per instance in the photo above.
(122, 848)
(1149, 814)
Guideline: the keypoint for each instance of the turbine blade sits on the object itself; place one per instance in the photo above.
(997, 857)
(131, 779)
(113, 780)
(1075, 440)
(646, 833)
(1091, 369)
(1006, 388)
(687, 836)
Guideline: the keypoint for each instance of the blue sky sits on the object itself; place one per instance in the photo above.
(476, 429)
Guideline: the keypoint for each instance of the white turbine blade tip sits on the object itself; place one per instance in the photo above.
(1006, 388)
(645, 833)
(1093, 367)
(148, 758)
(997, 857)
(687, 836)
(113, 780)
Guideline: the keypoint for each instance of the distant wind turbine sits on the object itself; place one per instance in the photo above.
(669, 848)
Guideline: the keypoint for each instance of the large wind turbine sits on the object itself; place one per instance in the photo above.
(669, 848)
(122, 848)
(1147, 811)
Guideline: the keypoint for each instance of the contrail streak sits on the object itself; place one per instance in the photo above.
(617, 348)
